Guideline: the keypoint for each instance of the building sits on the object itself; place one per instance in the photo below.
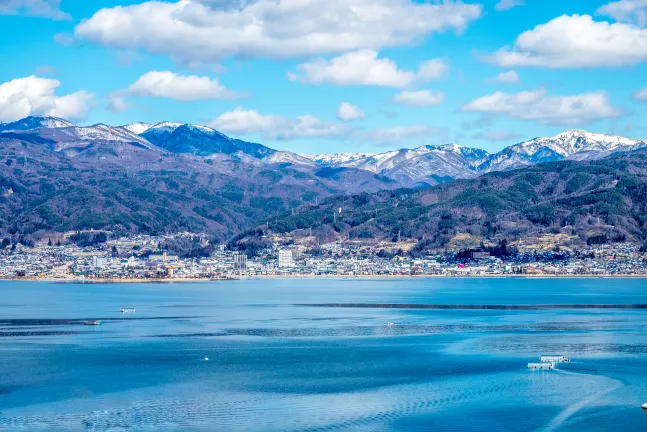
(240, 261)
(480, 255)
(285, 259)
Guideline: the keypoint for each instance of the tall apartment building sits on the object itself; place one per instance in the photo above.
(286, 259)
(240, 261)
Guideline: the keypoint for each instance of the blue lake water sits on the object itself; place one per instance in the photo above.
(277, 363)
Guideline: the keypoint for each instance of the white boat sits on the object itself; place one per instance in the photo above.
(391, 323)
(554, 359)
(127, 310)
(644, 407)
(541, 366)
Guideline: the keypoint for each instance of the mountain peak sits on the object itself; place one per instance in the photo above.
(36, 122)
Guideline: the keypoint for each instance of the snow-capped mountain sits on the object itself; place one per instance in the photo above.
(34, 122)
(337, 159)
(571, 144)
(138, 128)
(197, 140)
(432, 164)
(425, 165)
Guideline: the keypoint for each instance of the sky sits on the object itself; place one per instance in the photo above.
(328, 76)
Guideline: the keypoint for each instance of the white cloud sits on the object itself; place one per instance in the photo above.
(242, 121)
(73, 106)
(632, 11)
(349, 112)
(641, 95)
(504, 5)
(32, 95)
(38, 8)
(553, 110)
(116, 104)
(192, 30)
(363, 67)
(576, 42)
(433, 70)
(166, 84)
(420, 98)
(509, 77)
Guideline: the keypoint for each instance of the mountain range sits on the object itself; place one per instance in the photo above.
(55, 175)
(436, 164)
(565, 203)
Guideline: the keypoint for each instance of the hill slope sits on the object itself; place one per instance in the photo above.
(584, 201)
(129, 186)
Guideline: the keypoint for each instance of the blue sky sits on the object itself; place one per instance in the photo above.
(276, 71)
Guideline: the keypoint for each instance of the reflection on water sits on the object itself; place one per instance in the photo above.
(453, 359)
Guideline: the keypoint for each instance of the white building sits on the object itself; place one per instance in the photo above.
(240, 261)
(286, 259)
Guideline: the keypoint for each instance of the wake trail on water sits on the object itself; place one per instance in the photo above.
(573, 409)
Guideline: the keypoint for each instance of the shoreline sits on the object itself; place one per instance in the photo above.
(312, 277)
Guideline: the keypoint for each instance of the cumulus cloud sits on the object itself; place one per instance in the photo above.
(540, 107)
(575, 41)
(420, 98)
(631, 11)
(504, 5)
(349, 112)
(509, 77)
(38, 8)
(432, 70)
(363, 67)
(186, 88)
(116, 104)
(202, 31)
(33, 95)
(243, 121)
(641, 95)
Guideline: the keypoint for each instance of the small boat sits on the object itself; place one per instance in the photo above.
(391, 323)
(92, 323)
(554, 359)
(127, 310)
(206, 359)
(541, 366)
(644, 407)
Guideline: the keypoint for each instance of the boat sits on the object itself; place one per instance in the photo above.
(391, 323)
(644, 407)
(541, 366)
(554, 359)
(127, 310)
(92, 323)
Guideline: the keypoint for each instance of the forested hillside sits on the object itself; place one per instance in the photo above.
(589, 202)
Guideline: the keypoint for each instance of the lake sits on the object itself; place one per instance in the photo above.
(315, 355)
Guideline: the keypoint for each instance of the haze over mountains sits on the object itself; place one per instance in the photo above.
(167, 176)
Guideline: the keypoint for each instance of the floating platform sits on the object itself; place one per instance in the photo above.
(554, 359)
(541, 366)
(92, 323)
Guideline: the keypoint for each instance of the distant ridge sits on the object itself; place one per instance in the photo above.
(418, 167)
